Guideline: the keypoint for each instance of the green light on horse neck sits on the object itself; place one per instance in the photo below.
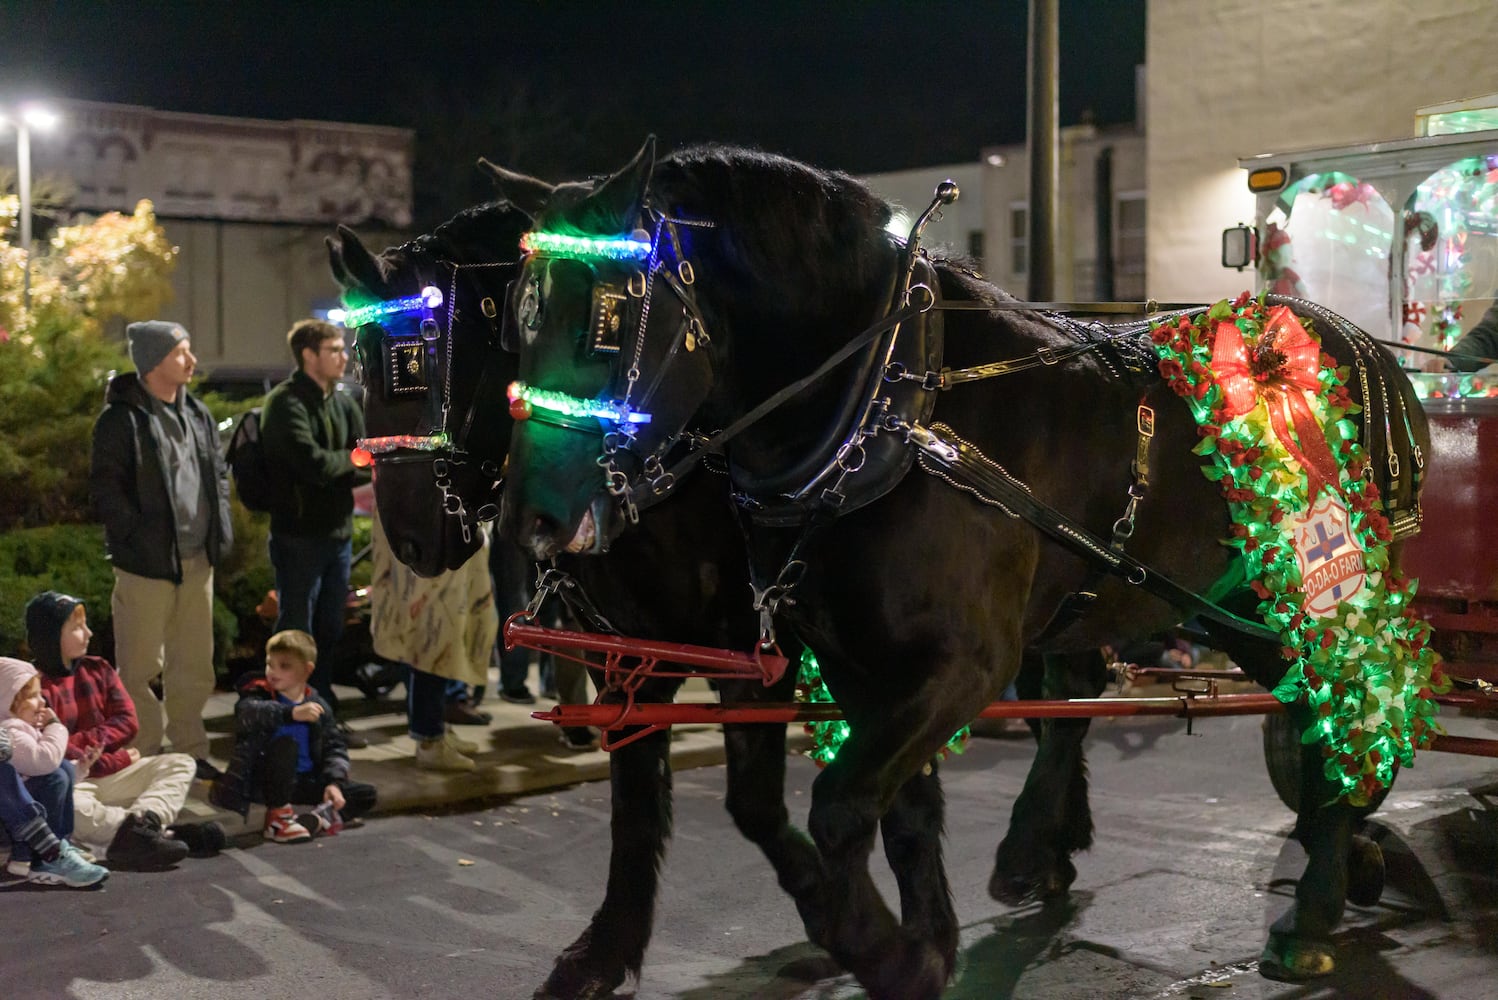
(584, 247)
(570, 406)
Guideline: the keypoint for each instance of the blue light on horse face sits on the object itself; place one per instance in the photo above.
(430, 298)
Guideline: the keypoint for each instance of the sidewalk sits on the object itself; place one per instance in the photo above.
(518, 755)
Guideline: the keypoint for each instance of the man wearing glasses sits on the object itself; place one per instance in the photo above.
(309, 425)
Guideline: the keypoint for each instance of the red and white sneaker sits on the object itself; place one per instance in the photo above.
(281, 827)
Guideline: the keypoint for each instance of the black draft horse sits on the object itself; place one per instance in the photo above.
(424, 504)
(696, 301)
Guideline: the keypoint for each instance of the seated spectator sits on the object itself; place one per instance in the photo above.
(22, 820)
(289, 751)
(37, 744)
(124, 805)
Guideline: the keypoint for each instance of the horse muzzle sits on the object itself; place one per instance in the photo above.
(542, 538)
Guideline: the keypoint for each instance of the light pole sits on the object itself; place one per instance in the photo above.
(30, 117)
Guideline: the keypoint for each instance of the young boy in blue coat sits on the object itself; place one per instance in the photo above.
(289, 751)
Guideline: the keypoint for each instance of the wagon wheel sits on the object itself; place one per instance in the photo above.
(1365, 859)
(1282, 759)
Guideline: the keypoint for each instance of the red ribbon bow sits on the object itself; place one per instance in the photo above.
(1282, 365)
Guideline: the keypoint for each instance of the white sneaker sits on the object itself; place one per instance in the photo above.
(439, 755)
(458, 743)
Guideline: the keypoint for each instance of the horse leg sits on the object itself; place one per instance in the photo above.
(1051, 819)
(613, 945)
(756, 802)
(849, 798)
(912, 845)
(1300, 945)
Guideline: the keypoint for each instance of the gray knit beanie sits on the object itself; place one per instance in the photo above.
(151, 341)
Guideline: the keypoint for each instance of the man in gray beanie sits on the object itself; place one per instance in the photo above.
(161, 490)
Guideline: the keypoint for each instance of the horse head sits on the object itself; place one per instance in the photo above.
(637, 291)
(434, 374)
(601, 311)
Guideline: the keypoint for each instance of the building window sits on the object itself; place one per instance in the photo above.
(975, 246)
(1019, 239)
(1129, 248)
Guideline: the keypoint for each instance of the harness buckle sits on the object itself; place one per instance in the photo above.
(685, 272)
(488, 308)
(1047, 355)
(636, 284)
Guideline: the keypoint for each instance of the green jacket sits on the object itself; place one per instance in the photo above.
(307, 439)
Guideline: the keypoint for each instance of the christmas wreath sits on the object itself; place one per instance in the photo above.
(1272, 413)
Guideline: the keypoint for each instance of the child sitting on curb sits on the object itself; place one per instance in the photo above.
(289, 751)
(37, 742)
(125, 805)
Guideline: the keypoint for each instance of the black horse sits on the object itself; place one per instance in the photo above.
(712, 303)
(424, 507)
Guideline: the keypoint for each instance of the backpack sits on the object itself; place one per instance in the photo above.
(251, 472)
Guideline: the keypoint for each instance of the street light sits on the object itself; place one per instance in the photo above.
(30, 117)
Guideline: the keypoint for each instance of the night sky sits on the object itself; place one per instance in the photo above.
(549, 86)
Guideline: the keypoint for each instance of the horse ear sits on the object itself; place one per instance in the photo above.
(621, 196)
(335, 261)
(521, 190)
(357, 264)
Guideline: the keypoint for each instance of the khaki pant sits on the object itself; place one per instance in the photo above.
(167, 629)
(152, 784)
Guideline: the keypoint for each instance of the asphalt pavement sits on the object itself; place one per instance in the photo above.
(1190, 867)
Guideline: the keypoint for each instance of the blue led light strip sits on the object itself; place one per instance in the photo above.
(430, 298)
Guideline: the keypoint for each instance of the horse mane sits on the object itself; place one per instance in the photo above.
(487, 232)
(778, 221)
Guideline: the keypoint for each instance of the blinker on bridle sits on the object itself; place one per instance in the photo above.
(419, 355)
(616, 420)
(559, 408)
(371, 313)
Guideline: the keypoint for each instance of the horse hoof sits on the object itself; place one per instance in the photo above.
(571, 983)
(594, 990)
(911, 969)
(1017, 889)
(1288, 960)
(1365, 872)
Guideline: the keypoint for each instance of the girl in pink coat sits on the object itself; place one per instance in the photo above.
(38, 744)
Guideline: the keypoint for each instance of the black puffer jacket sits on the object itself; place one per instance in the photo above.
(257, 716)
(130, 488)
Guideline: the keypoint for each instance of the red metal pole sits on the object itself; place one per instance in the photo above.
(655, 714)
(1465, 744)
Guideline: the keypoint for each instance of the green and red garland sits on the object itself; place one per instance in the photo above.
(1272, 413)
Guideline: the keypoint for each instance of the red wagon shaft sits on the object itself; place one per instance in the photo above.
(650, 658)
(654, 716)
